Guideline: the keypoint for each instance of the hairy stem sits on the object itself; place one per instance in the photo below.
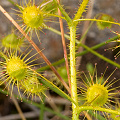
(73, 72)
(83, 108)
(68, 19)
(97, 20)
(81, 10)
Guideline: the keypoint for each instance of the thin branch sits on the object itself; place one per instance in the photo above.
(64, 44)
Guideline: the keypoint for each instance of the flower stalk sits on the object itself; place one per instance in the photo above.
(84, 108)
(73, 72)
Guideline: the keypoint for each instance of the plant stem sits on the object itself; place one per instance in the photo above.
(83, 108)
(97, 20)
(73, 72)
(68, 19)
(64, 45)
(81, 10)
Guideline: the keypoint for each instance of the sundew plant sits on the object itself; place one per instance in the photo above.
(91, 96)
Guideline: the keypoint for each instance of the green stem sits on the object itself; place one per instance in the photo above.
(85, 33)
(73, 72)
(97, 20)
(68, 19)
(59, 33)
(80, 11)
(83, 108)
(101, 56)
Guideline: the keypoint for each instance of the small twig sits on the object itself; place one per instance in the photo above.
(35, 46)
(64, 45)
